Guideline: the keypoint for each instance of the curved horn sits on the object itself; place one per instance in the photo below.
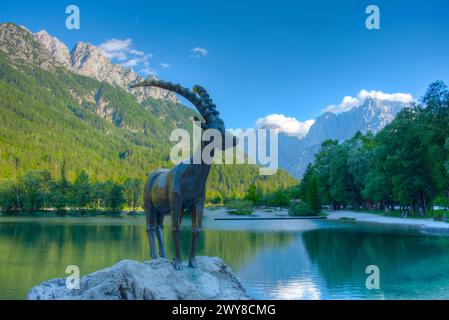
(200, 100)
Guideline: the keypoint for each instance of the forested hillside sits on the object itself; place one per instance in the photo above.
(405, 165)
(53, 116)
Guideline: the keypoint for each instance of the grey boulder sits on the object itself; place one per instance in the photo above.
(150, 280)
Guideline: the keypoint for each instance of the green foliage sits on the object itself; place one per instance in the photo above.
(313, 197)
(446, 163)
(404, 165)
(301, 209)
(308, 190)
(37, 190)
(346, 219)
(115, 199)
(239, 207)
(214, 197)
(277, 199)
(441, 201)
(303, 186)
(133, 190)
(60, 197)
(8, 195)
(53, 120)
(253, 195)
(81, 191)
(35, 186)
(295, 192)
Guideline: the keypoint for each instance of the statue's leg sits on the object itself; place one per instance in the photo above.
(160, 235)
(176, 208)
(197, 213)
(151, 228)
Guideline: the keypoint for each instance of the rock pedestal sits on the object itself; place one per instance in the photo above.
(150, 280)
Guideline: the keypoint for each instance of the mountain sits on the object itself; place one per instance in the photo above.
(75, 106)
(58, 50)
(372, 115)
(88, 60)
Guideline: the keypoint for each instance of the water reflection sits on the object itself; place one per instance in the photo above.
(342, 256)
(283, 272)
(274, 259)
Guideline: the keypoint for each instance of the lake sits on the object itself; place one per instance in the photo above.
(274, 259)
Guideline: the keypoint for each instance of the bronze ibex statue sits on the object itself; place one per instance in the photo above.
(184, 186)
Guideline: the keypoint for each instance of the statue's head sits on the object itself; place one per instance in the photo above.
(228, 140)
(200, 99)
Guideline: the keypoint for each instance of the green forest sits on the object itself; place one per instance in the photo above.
(37, 190)
(61, 132)
(404, 167)
(71, 142)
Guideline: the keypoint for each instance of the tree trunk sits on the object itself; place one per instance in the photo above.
(17, 197)
(424, 203)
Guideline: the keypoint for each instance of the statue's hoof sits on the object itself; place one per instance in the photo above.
(192, 263)
(177, 265)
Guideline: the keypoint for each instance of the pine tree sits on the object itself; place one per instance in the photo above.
(81, 191)
(116, 199)
(313, 197)
(304, 185)
(253, 195)
(60, 190)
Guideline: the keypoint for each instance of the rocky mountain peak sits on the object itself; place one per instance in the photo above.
(376, 113)
(57, 49)
(371, 115)
(89, 60)
(85, 59)
(18, 43)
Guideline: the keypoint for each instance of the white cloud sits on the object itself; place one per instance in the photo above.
(136, 52)
(119, 55)
(136, 61)
(350, 102)
(401, 97)
(198, 52)
(130, 63)
(129, 57)
(164, 65)
(115, 45)
(288, 125)
(346, 104)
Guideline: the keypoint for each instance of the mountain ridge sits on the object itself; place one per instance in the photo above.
(370, 115)
(50, 115)
(84, 59)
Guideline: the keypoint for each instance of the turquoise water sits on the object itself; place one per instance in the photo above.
(292, 259)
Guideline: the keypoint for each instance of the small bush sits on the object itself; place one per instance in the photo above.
(346, 219)
(301, 209)
(239, 207)
(8, 198)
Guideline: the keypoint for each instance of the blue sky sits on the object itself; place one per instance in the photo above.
(293, 58)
